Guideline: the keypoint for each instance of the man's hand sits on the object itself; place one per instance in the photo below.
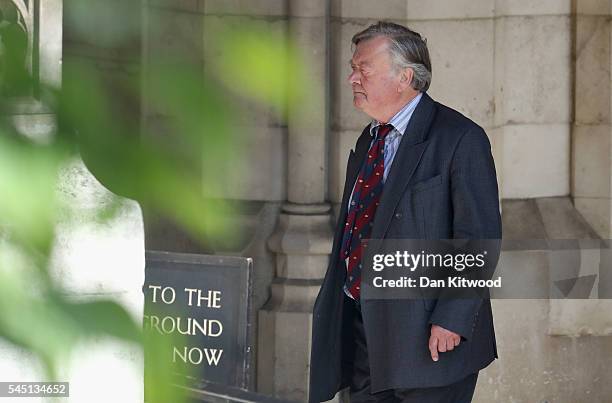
(442, 340)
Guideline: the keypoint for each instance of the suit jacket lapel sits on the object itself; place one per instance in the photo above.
(354, 164)
(407, 158)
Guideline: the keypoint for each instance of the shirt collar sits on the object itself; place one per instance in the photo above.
(400, 120)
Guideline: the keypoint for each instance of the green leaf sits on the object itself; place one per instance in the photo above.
(255, 62)
(102, 318)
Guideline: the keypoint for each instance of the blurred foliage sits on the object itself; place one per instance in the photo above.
(160, 377)
(13, 50)
(254, 62)
(176, 175)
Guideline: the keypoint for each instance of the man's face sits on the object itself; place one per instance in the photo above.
(374, 81)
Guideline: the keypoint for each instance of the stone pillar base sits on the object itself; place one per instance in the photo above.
(302, 243)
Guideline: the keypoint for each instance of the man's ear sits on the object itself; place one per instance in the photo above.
(405, 79)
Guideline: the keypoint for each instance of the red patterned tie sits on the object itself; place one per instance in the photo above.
(365, 200)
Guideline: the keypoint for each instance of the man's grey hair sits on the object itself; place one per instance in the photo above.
(407, 48)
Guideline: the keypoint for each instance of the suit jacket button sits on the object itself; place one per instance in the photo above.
(398, 215)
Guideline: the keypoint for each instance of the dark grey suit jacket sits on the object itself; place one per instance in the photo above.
(442, 185)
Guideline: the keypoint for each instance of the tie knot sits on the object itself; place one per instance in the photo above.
(383, 130)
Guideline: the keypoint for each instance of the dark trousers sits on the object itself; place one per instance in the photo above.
(359, 376)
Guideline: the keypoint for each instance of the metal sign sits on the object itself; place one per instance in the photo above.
(202, 303)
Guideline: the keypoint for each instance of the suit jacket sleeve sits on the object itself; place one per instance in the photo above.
(476, 215)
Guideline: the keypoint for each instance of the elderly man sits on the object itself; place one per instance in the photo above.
(419, 170)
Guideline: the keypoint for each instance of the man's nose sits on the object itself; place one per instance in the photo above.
(354, 78)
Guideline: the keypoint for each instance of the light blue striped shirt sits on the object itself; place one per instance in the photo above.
(399, 122)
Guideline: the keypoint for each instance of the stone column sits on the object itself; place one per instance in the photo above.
(592, 133)
(303, 238)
